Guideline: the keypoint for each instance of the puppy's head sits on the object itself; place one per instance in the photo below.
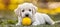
(26, 10)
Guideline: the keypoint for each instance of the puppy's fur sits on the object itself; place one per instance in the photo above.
(29, 10)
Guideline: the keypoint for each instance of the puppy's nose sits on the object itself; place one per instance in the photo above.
(27, 15)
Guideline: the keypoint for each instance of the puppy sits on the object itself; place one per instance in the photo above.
(29, 10)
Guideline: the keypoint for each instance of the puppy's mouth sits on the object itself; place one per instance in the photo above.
(27, 15)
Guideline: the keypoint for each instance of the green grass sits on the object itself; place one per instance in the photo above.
(9, 19)
(56, 25)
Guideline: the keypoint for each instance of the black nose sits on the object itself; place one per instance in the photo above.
(27, 15)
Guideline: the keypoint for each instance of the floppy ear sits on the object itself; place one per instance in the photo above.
(17, 12)
(34, 9)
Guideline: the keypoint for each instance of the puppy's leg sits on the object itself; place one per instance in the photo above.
(19, 21)
(48, 19)
(57, 22)
(35, 22)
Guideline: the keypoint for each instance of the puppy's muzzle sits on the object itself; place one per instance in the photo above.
(27, 15)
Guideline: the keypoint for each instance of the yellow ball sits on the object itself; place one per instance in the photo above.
(26, 21)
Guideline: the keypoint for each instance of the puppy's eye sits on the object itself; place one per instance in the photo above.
(22, 10)
(29, 9)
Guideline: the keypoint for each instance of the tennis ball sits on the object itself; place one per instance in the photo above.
(26, 21)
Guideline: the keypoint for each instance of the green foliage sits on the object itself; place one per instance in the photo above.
(11, 21)
(1, 22)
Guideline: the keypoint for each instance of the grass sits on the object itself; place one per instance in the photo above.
(10, 19)
(56, 25)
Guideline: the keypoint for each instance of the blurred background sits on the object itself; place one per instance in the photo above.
(9, 19)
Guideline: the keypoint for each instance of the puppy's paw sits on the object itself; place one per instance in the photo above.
(18, 24)
(35, 24)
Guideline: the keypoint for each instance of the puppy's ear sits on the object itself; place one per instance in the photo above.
(17, 11)
(34, 9)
